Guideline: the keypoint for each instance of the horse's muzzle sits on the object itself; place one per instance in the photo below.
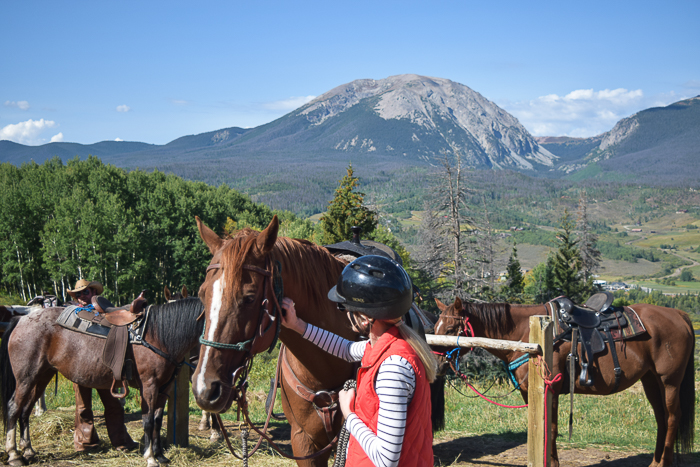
(212, 395)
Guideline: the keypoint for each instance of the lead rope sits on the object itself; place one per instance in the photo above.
(344, 436)
(244, 445)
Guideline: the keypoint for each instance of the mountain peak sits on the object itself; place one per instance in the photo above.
(437, 109)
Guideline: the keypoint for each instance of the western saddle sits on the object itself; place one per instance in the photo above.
(117, 319)
(592, 323)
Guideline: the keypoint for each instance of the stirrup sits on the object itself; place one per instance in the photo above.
(119, 395)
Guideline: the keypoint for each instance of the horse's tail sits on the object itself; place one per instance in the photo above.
(686, 428)
(437, 403)
(8, 377)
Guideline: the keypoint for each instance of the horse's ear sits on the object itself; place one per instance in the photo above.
(212, 240)
(184, 291)
(267, 238)
(458, 305)
(440, 305)
(166, 293)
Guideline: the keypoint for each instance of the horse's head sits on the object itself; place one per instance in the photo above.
(449, 323)
(239, 318)
(172, 297)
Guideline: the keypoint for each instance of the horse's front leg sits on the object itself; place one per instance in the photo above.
(158, 423)
(205, 422)
(148, 404)
(40, 406)
(216, 429)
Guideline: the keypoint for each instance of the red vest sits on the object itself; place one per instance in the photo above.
(417, 448)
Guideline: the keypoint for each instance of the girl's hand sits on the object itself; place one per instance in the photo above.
(346, 400)
(290, 318)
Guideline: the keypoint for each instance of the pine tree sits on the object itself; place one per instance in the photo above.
(590, 255)
(568, 280)
(346, 210)
(515, 275)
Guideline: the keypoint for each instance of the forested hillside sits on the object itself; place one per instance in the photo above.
(129, 230)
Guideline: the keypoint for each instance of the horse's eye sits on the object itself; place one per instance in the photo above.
(248, 299)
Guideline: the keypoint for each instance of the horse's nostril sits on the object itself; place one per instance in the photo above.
(215, 392)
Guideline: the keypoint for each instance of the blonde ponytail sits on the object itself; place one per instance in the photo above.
(421, 348)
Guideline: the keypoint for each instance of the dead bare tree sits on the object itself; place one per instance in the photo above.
(448, 228)
(590, 255)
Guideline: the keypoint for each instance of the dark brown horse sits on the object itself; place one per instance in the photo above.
(233, 294)
(34, 348)
(662, 359)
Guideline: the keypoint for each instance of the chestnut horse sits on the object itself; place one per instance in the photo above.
(662, 359)
(233, 294)
(34, 348)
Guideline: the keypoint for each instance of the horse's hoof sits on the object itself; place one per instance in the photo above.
(151, 462)
(162, 459)
(204, 426)
(29, 455)
(19, 462)
(216, 437)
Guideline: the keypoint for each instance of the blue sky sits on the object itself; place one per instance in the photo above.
(154, 71)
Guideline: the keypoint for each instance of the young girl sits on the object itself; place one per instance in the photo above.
(388, 415)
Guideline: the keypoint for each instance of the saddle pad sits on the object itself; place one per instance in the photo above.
(634, 326)
(69, 320)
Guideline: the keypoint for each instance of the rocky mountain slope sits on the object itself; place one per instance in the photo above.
(407, 117)
(656, 145)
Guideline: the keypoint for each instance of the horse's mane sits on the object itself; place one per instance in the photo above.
(318, 266)
(175, 324)
(495, 317)
(311, 263)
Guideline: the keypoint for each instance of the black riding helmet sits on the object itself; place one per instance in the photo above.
(375, 286)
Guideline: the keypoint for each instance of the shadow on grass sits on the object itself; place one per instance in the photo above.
(468, 448)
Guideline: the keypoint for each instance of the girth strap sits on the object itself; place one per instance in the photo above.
(613, 352)
(325, 402)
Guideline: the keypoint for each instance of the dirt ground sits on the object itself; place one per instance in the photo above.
(494, 452)
(450, 449)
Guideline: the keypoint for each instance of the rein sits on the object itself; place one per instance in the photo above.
(272, 286)
(510, 368)
(243, 407)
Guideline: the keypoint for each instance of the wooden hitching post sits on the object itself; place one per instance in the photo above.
(537, 426)
(178, 432)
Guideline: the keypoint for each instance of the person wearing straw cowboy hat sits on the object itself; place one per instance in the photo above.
(84, 291)
(85, 437)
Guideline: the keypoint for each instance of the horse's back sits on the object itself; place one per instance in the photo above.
(671, 338)
(662, 321)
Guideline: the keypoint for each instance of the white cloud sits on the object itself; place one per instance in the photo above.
(693, 85)
(58, 138)
(118, 139)
(123, 108)
(179, 101)
(583, 112)
(22, 105)
(26, 132)
(289, 104)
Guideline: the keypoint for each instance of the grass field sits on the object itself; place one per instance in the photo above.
(622, 425)
(679, 288)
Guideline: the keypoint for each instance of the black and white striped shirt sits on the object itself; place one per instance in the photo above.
(394, 384)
